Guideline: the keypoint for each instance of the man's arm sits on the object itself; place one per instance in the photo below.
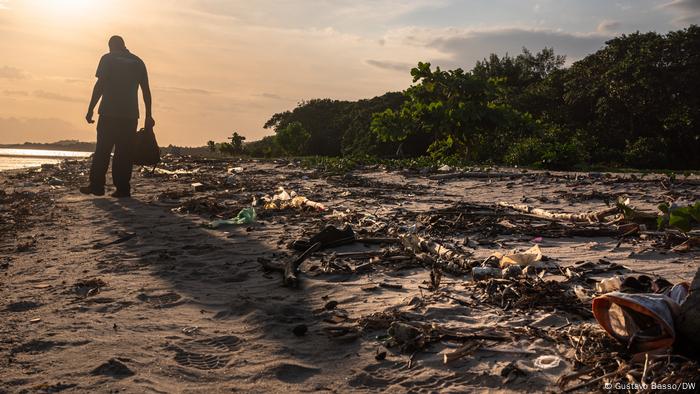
(146, 91)
(96, 94)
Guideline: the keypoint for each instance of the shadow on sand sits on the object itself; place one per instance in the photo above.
(226, 290)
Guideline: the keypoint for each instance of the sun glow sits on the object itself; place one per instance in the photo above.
(71, 8)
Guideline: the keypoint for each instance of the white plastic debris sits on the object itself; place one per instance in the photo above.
(547, 362)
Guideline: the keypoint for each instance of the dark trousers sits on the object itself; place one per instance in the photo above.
(117, 133)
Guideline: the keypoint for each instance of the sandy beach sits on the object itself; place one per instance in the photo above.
(139, 295)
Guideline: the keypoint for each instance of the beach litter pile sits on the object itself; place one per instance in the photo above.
(433, 280)
(642, 321)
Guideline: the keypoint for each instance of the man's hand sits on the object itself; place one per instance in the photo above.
(89, 116)
(149, 122)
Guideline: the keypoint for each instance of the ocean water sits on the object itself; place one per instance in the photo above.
(11, 159)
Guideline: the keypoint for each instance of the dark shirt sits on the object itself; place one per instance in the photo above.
(121, 73)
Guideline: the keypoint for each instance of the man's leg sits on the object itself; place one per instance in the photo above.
(100, 159)
(122, 162)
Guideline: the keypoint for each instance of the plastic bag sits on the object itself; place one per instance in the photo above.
(245, 216)
(146, 150)
(528, 257)
(643, 322)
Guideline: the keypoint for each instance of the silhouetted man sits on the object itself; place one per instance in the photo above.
(119, 75)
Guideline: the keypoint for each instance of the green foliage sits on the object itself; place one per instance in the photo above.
(267, 147)
(330, 165)
(632, 103)
(235, 146)
(357, 138)
(293, 138)
(528, 151)
(646, 152)
(461, 113)
(639, 93)
(237, 142)
(325, 121)
(341, 165)
(341, 127)
(682, 218)
(551, 148)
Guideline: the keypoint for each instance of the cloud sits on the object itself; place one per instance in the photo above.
(364, 9)
(390, 65)
(685, 5)
(18, 130)
(8, 72)
(688, 19)
(294, 13)
(232, 106)
(15, 93)
(271, 96)
(42, 94)
(76, 80)
(463, 47)
(608, 26)
(688, 11)
(175, 89)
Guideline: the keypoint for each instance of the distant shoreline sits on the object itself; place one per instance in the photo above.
(43, 153)
(74, 146)
(12, 158)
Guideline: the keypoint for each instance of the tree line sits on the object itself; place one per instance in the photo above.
(632, 103)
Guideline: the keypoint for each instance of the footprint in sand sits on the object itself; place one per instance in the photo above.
(22, 306)
(418, 379)
(37, 346)
(166, 300)
(206, 353)
(291, 373)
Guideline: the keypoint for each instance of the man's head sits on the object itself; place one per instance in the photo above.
(116, 43)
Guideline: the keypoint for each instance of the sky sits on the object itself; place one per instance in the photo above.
(218, 66)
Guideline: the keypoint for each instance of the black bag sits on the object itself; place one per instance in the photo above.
(146, 151)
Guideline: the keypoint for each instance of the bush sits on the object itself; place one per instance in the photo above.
(528, 151)
(552, 149)
(646, 153)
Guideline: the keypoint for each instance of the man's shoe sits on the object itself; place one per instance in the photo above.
(92, 190)
(121, 194)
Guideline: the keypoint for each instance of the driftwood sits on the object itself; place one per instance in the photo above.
(586, 217)
(292, 267)
(472, 347)
(693, 242)
(428, 251)
(378, 240)
(621, 370)
(478, 175)
(462, 351)
(327, 238)
(359, 255)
